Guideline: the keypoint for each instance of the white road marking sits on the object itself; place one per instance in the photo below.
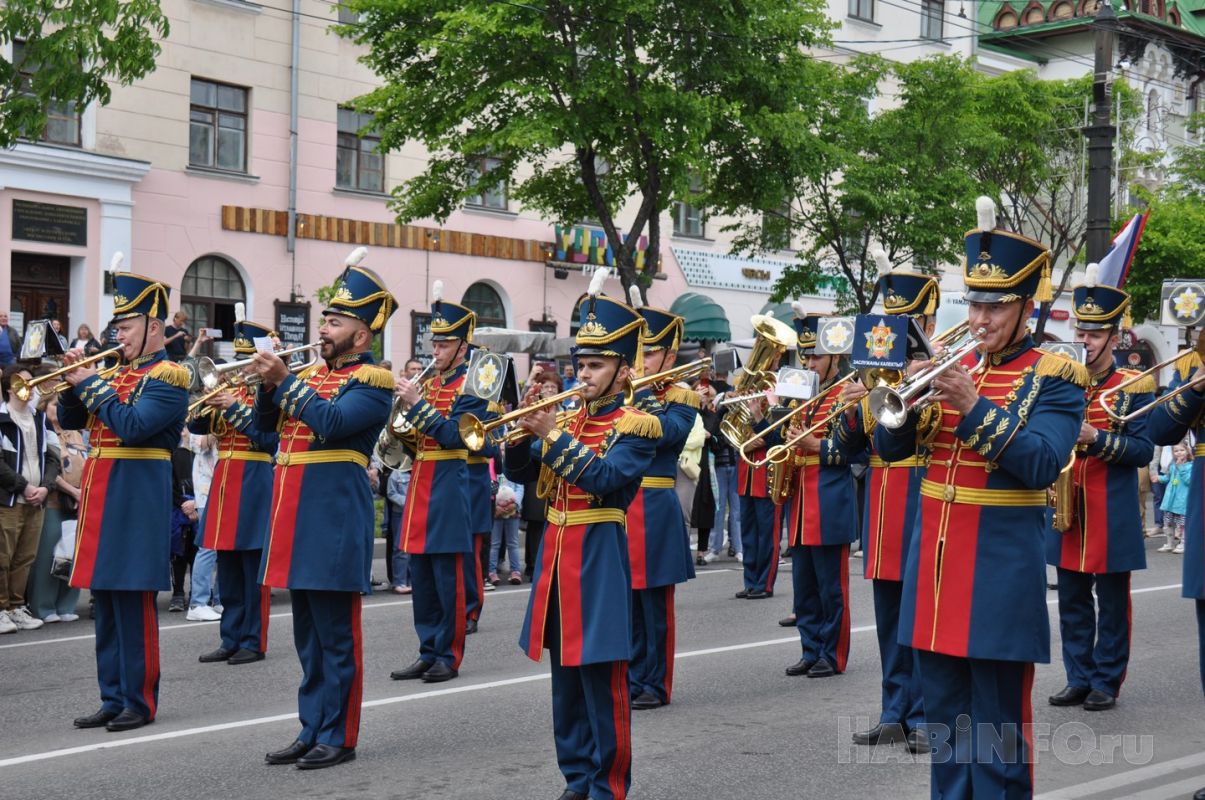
(1133, 776)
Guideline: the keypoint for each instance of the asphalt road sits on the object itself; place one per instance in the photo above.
(738, 727)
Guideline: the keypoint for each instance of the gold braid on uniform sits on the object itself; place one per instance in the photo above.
(928, 424)
(309, 372)
(1186, 363)
(376, 377)
(171, 373)
(1145, 386)
(638, 423)
(687, 397)
(1053, 365)
(496, 408)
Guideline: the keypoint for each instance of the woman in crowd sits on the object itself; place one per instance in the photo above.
(84, 340)
(702, 511)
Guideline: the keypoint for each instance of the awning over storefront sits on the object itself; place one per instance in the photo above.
(705, 318)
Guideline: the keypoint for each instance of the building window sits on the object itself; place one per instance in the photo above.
(347, 16)
(689, 220)
(862, 9)
(217, 130)
(62, 118)
(776, 228)
(482, 298)
(358, 164)
(208, 293)
(493, 196)
(932, 19)
(1034, 14)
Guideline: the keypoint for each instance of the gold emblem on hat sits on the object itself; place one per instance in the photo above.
(1089, 306)
(343, 293)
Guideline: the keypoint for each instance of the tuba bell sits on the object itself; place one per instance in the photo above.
(772, 338)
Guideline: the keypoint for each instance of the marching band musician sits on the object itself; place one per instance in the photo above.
(1105, 541)
(322, 521)
(658, 540)
(974, 602)
(888, 519)
(761, 516)
(134, 420)
(236, 521)
(581, 590)
(822, 520)
(436, 529)
(481, 523)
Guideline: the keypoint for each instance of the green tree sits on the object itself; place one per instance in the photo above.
(585, 105)
(69, 53)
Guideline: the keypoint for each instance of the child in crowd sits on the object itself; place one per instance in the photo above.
(1175, 498)
(507, 501)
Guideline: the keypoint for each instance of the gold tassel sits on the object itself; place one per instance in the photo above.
(496, 408)
(1045, 292)
(374, 376)
(931, 302)
(1053, 365)
(1127, 321)
(171, 373)
(1145, 386)
(638, 423)
(687, 397)
(1185, 365)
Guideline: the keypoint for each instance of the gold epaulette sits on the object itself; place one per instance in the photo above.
(687, 397)
(496, 408)
(1186, 363)
(1054, 365)
(374, 376)
(171, 373)
(638, 423)
(1145, 386)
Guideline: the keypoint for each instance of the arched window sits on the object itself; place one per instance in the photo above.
(1034, 14)
(1007, 19)
(208, 293)
(482, 298)
(1062, 10)
(575, 319)
(1152, 111)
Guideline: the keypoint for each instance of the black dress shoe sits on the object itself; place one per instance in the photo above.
(127, 720)
(888, 733)
(221, 654)
(646, 700)
(801, 667)
(290, 754)
(787, 622)
(1199, 794)
(821, 669)
(1070, 696)
(470, 626)
(1099, 701)
(758, 594)
(918, 742)
(439, 672)
(411, 672)
(245, 656)
(568, 795)
(97, 720)
(326, 755)
(742, 594)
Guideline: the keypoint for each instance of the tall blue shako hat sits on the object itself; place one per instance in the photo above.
(360, 293)
(136, 295)
(905, 291)
(608, 327)
(1098, 307)
(1001, 266)
(450, 320)
(662, 329)
(807, 325)
(246, 331)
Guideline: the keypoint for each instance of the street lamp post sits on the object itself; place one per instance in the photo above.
(1100, 134)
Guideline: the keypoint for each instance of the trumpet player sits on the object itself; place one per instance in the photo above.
(122, 544)
(822, 520)
(436, 528)
(888, 519)
(761, 516)
(589, 468)
(236, 522)
(658, 540)
(974, 598)
(1105, 540)
(481, 523)
(322, 522)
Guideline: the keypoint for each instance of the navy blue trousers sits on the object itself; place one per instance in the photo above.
(820, 578)
(652, 667)
(474, 578)
(902, 701)
(1096, 646)
(127, 651)
(245, 602)
(978, 716)
(326, 630)
(760, 535)
(1201, 639)
(591, 720)
(439, 617)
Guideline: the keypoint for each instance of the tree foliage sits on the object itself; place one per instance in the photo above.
(585, 105)
(69, 53)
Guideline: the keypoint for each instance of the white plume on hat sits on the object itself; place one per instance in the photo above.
(880, 260)
(985, 208)
(115, 262)
(355, 257)
(1092, 274)
(634, 296)
(240, 312)
(437, 291)
(799, 309)
(596, 283)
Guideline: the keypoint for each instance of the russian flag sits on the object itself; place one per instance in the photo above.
(1116, 264)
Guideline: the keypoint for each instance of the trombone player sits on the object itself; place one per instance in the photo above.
(236, 522)
(1105, 541)
(974, 597)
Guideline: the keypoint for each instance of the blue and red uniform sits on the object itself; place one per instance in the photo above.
(761, 524)
(235, 520)
(581, 588)
(123, 537)
(1105, 541)
(1169, 424)
(481, 522)
(659, 546)
(437, 526)
(322, 527)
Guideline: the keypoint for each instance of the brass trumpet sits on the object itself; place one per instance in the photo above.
(213, 375)
(890, 404)
(1105, 398)
(781, 450)
(23, 389)
(672, 375)
(772, 338)
(399, 427)
(477, 434)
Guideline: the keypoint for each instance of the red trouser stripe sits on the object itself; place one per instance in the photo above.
(150, 651)
(670, 640)
(265, 613)
(458, 635)
(351, 729)
(620, 709)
